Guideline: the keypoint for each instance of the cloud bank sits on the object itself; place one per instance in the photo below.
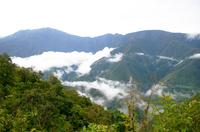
(139, 53)
(101, 91)
(167, 58)
(156, 89)
(193, 36)
(58, 74)
(47, 60)
(116, 58)
(109, 88)
(195, 56)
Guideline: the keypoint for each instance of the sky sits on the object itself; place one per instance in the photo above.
(97, 17)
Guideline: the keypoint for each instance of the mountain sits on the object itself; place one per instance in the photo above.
(154, 42)
(30, 42)
(184, 77)
(45, 105)
(30, 103)
(144, 69)
(149, 57)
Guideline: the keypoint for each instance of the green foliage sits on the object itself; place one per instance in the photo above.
(95, 128)
(6, 70)
(184, 116)
(146, 70)
(184, 77)
(29, 103)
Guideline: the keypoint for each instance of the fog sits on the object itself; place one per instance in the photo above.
(195, 56)
(47, 60)
(193, 36)
(141, 54)
(156, 89)
(109, 88)
(116, 58)
(167, 58)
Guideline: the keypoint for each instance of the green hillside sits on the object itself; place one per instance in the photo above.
(145, 70)
(29, 103)
(156, 42)
(185, 77)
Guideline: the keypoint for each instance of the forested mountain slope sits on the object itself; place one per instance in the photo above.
(149, 57)
(29, 103)
(154, 42)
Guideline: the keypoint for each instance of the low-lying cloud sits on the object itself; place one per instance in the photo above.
(156, 89)
(195, 56)
(47, 60)
(109, 88)
(58, 74)
(79, 62)
(167, 58)
(139, 53)
(100, 91)
(116, 58)
(193, 36)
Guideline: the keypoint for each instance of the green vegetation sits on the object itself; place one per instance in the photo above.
(181, 117)
(146, 70)
(29, 103)
(184, 77)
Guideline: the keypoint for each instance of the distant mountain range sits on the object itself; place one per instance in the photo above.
(149, 57)
(154, 42)
(30, 42)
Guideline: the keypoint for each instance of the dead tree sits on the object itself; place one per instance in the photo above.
(131, 103)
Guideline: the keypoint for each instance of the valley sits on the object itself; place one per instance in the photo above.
(101, 67)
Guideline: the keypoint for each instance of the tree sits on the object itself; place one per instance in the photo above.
(7, 71)
(34, 104)
(131, 105)
(177, 116)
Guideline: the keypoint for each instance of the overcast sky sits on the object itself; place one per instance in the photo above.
(97, 17)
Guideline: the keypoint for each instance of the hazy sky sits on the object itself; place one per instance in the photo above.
(96, 17)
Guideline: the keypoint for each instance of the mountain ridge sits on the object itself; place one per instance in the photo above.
(148, 56)
(49, 39)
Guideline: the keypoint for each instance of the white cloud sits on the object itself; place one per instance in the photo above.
(58, 74)
(68, 69)
(116, 58)
(82, 94)
(50, 59)
(181, 61)
(99, 101)
(85, 68)
(195, 56)
(167, 58)
(193, 36)
(156, 89)
(109, 88)
(141, 54)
